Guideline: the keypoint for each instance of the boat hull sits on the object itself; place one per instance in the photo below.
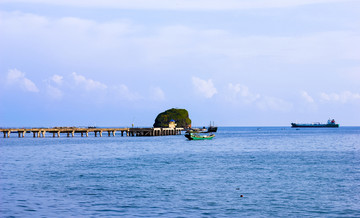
(199, 137)
(212, 129)
(298, 125)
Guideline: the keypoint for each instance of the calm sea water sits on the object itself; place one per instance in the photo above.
(279, 171)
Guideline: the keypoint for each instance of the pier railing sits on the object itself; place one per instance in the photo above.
(71, 131)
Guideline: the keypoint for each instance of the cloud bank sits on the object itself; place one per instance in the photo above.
(343, 97)
(202, 5)
(238, 93)
(91, 40)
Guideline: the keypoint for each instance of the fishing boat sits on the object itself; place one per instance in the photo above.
(198, 136)
(330, 124)
(212, 128)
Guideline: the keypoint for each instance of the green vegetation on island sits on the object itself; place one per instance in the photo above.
(180, 116)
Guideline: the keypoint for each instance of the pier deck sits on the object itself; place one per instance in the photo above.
(71, 131)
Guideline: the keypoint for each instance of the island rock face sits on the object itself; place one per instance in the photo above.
(180, 116)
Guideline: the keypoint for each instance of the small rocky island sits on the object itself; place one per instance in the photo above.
(178, 117)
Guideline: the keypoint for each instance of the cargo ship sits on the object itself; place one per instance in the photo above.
(330, 124)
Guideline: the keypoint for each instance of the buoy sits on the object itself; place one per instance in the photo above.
(241, 195)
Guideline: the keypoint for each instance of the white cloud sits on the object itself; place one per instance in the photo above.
(343, 97)
(123, 92)
(179, 4)
(16, 77)
(240, 91)
(57, 79)
(273, 103)
(203, 87)
(88, 84)
(307, 97)
(241, 94)
(56, 88)
(54, 92)
(67, 38)
(53, 85)
(157, 94)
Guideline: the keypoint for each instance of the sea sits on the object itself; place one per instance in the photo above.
(242, 172)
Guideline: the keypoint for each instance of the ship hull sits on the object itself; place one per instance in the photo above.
(212, 129)
(192, 136)
(298, 125)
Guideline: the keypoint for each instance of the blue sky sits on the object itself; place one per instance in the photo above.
(238, 63)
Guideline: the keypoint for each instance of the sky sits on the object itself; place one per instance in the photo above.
(234, 62)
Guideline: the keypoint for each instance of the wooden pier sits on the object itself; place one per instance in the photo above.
(71, 131)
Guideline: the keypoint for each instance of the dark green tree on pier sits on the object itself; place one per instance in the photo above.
(180, 116)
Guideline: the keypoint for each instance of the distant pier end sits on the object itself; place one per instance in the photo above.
(71, 131)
